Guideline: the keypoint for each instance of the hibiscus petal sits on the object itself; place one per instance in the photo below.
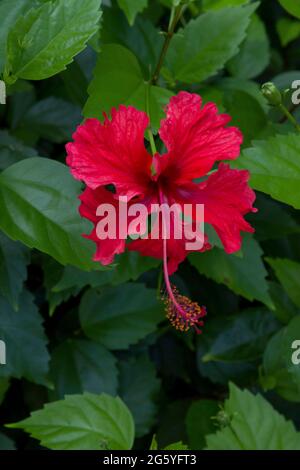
(227, 197)
(195, 138)
(112, 152)
(176, 248)
(90, 201)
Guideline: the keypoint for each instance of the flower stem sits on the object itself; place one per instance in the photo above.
(289, 116)
(176, 13)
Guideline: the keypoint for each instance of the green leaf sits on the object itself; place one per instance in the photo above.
(291, 6)
(120, 316)
(203, 47)
(6, 443)
(23, 334)
(172, 423)
(246, 113)
(76, 83)
(143, 38)
(14, 259)
(47, 38)
(12, 150)
(74, 278)
(274, 166)
(132, 7)
(79, 366)
(139, 388)
(278, 365)
(254, 54)
(244, 275)
(285, 309)
(10, 11)
(288, 273)
(253, 425)
(52, 273)
(53, 119)
(221, 372)
(288, 30)
(4, 386)
(82, 422)
(118, 80)
(39, 207)
(199, 422)
(130, 266)
(218, 4)
(177, 446)
(153, 445)
(243, 337)
(273, 219)
(248, 86)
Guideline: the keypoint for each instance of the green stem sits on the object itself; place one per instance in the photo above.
(152, 142)
(289, 116)
(149, 130)
(175, 17)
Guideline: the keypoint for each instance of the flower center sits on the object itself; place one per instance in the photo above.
(182, 312)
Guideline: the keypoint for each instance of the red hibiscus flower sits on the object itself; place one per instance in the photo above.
(196, 137)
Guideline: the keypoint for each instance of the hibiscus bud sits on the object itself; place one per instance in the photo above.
(271, 93)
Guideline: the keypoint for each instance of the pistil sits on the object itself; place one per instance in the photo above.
(182, 312)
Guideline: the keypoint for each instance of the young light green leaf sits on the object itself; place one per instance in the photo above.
(288, 30)
(288, 273)
(245, 275)
(292, 6)
(79, 366)
(253, 424)
(47, 38)
(14, 258)
(176, 446)
(139, 388)
(218, 4)
(38, 197)
(23, 333)
(132, 7)
(203, 47)
(82, 422)
(118, 80)
(120, 316)
(274, 166)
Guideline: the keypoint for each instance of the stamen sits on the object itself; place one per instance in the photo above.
(184, 313)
